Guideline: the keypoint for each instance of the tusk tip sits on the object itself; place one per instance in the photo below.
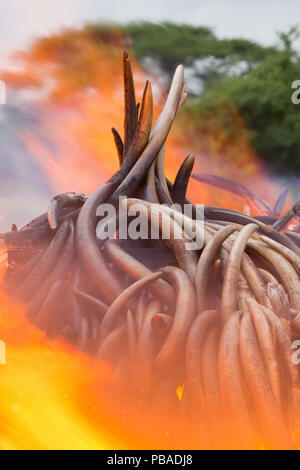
(191, 158)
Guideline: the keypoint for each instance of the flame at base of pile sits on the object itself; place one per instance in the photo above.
(199, 343)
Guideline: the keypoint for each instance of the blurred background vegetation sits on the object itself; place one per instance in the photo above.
(229, 76)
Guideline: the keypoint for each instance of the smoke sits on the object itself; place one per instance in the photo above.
(21, 22)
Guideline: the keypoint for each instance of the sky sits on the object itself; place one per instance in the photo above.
(23, 20)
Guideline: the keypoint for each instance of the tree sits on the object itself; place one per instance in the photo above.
(263, 99)
(170, 44)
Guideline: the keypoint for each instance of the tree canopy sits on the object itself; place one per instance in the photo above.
(263, 99)
(171, 44)
(235, 77)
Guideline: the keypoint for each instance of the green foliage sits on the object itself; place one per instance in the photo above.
(171, 44)
(239, 78)
(263, 99)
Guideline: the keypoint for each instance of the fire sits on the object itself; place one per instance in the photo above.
(179, 391)
(45, 386)
(54, 397)
(82, 98)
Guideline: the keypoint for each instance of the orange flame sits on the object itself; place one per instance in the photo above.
(44, 388)
(53, 397)
(81, 77)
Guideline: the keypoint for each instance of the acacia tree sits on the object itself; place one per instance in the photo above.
(263, 99)
(195, 46)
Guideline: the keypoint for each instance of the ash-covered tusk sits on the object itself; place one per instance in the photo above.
(287, 217)
(255, 280)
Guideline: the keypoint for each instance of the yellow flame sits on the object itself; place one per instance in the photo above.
(179, 392)
(45, 387)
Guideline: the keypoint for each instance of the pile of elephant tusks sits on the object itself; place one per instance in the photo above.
(220, 320)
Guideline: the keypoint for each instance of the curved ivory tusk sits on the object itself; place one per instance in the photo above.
(161, 219)
(285, 270)
(159, 167)
(279, 300)
(284, 251)
(205, 263)
(268, 277)
(255, 280)
(145, 351)
(160, 289)
(120, 302)
(211, 386)
(111, 345)
(182, 180)
(130, 121)
(267, 346)
(137, 173)
(233, 393)
(143, 128)
(90, 256)
(184, 314)
(269, 414)
(119, 144)
(221, 214)
(160, 160)
(194, 346)
(139, 141)
(61, 271)
(285, 347)
(48, 261)
(231, 277)
(59, 202)
(90, 301)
